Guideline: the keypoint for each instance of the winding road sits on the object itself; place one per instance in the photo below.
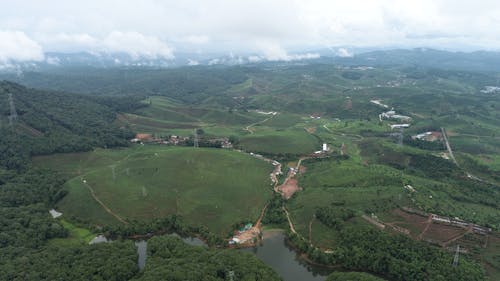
(247, 128)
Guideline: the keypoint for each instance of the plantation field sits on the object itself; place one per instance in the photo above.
(342, 183)
(161, 114)
(211, 187)
(294, 141)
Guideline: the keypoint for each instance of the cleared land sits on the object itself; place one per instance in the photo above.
(212, 187)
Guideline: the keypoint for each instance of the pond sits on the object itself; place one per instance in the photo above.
(142, 247)
(274, 252)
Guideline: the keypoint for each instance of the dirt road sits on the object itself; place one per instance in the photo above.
(247, 128)
(443, 132)
(292, 228)
(101, 203)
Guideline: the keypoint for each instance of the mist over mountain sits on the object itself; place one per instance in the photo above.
(425, 57)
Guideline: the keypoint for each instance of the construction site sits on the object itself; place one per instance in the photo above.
(438, 230)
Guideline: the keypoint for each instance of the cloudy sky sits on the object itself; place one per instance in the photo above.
(273, 29)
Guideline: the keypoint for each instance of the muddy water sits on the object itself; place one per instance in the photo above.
(275, 253)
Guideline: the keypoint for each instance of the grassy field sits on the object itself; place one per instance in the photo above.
(77, 235)
(212, 187)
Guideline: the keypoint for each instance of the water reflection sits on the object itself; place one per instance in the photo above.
(275, 253)
(142, 247)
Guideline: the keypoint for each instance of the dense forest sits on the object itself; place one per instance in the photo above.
(52, 122)
(352, 276)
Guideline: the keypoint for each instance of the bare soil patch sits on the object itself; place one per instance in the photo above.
(311, 130)
(443, 233)
(288, 188)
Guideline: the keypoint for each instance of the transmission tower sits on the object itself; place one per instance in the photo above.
(400, 140)
(455, 258)
(13, 112)
(196, 144)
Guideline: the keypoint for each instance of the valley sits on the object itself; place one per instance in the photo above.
(304, 149)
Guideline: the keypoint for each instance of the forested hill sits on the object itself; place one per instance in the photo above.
(188, 84)
(34, 122)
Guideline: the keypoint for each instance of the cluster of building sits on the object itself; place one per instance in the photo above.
(460, 223)
(391, 114)
(223, 142)
(242, 235)
(451, 221)
(180, 140)
(148, 138)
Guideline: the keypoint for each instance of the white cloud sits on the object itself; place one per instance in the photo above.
(214, 61)
(274, 52)
(227, 25)
(193, 62)
(16, 46)
(343, 53)
(133, 43)
(254, 58)
(195, 39)
(137, 45)
(53, 60)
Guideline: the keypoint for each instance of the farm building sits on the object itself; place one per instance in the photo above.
(429, 136)
(391, 114)
(399, 126)
(55, 214)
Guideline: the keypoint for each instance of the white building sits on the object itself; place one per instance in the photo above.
(399, 126)
(55, 214)
(325, 147)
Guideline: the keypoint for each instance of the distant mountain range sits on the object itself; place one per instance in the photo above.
(471, 61)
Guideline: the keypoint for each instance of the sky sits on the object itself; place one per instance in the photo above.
(267, 29)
